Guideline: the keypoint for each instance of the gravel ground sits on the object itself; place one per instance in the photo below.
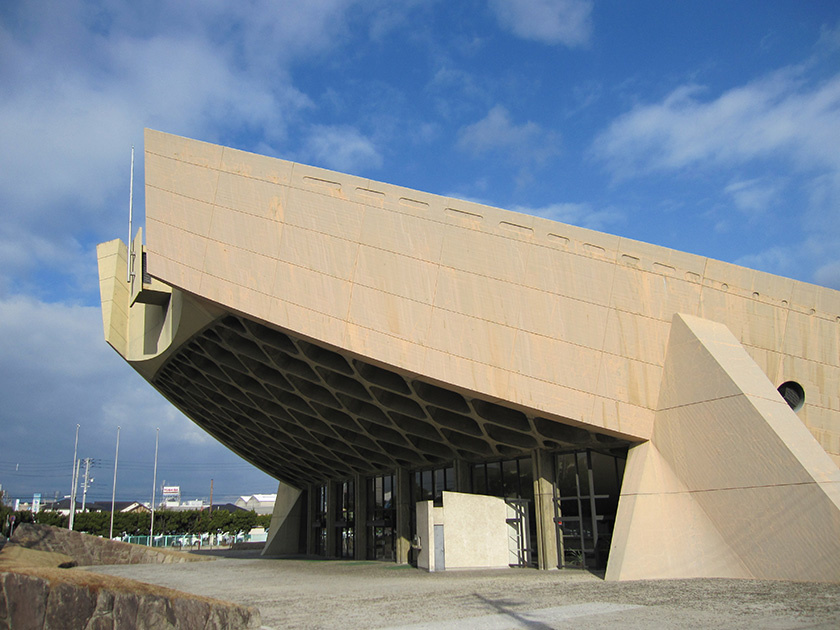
(347, 594)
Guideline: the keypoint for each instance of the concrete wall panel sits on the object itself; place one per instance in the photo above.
(484, 254)
(324, 293)
(184, 213)
(636, 337)
(183, 149)
(390, 314)
(245, 231)
(557, 270)
(652, 295)
(396, 231)
(396, 274)
(555, 361)
(322, 253)
(479, 296)
(240, 266)
(189, 180)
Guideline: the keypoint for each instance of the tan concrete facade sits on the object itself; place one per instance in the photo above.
(410, 330)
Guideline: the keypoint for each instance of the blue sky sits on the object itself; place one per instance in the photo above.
(710, 127)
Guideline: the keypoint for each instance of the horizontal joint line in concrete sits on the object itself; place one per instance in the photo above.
(730, 488)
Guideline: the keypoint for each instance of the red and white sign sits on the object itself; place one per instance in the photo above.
(169, 491)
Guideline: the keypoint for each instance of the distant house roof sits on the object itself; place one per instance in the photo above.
(260, 503)
(228, 507)
(260, 498)
(265, 498)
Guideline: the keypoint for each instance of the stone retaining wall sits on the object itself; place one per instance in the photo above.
(89, 550)
(37, 595)
(52, 599)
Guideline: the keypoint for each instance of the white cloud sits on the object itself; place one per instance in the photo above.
(566, 22)
(776, 117)
(777, 259)
(778, 134)
(496, 132)
(753, 196)
(341, 148)
(580, 214)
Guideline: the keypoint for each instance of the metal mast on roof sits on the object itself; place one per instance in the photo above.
(130, 261)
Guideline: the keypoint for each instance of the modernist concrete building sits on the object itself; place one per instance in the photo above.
(653, 412)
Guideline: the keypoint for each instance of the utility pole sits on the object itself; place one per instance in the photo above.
(114, 488)
(86, 482)
(73, 477)
(211, 497)
(154, 486)
(73, 494)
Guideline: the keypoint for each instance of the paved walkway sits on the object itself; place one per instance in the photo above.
(346, 594)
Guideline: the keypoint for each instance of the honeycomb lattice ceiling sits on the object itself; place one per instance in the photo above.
(305, 414)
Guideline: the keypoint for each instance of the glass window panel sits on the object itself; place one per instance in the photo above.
(494, 479)
(510, 478)
(604, 473)
(416, 488)
(449, 484)
(526, 479)
(389, 498)
(479, 480)
(427, 485)
(566, 473)
(440, 484)
(583, 473)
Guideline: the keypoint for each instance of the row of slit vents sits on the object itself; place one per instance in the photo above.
(304, 413)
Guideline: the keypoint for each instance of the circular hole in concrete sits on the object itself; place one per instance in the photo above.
(793, 394)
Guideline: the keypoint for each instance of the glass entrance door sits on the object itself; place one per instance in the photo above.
(381, 518)
(345, 519)
(586, 493)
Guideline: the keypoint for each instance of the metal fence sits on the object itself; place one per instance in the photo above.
(185, 541)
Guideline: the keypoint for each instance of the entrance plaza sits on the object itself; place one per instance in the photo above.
(364, 594)
(440, 383)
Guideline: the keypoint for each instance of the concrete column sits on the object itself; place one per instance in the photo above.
(286, 520)
(332, 515)
(463, 476)
(547, 539)
(403, 534)
(310, 514)
(360, 530)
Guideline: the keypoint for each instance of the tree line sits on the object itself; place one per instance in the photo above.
(166, 522)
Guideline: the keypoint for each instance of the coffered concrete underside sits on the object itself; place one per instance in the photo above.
(318, 415)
